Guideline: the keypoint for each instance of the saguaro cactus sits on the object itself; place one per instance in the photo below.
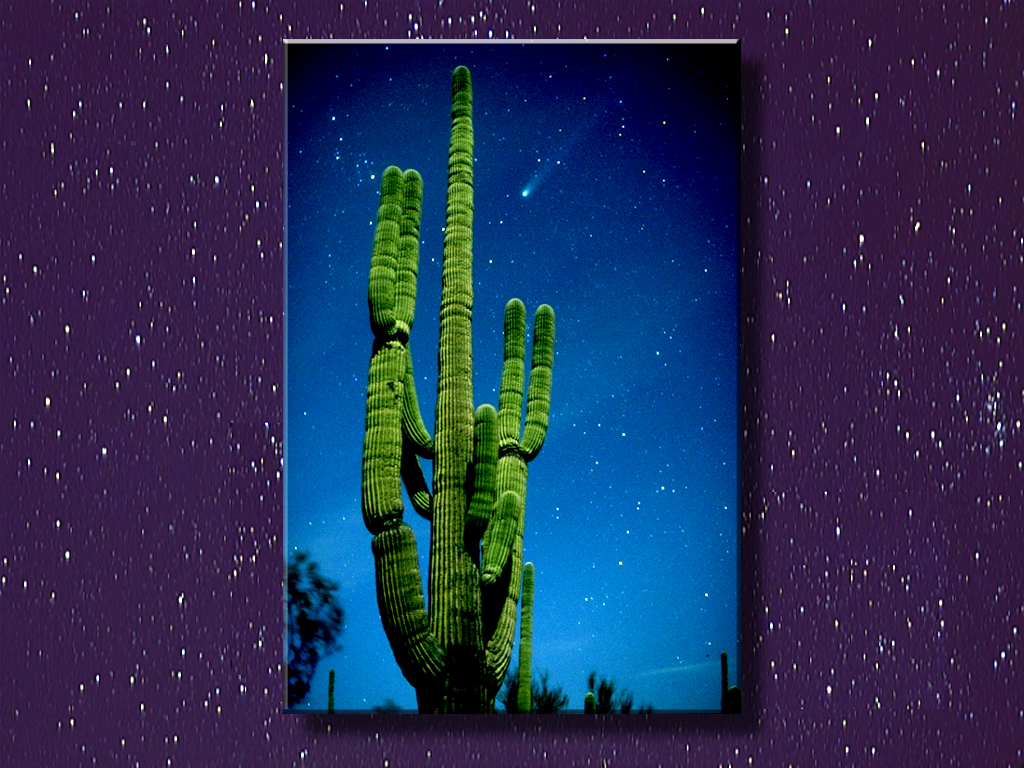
(457, 655)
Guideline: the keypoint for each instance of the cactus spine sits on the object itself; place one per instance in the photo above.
(524, 702)
(457, 655)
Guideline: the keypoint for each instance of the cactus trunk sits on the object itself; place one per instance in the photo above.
(457, 654)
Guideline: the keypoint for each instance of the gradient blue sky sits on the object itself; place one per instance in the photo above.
(606, 185)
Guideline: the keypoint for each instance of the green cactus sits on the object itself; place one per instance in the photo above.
(526, 642)
(330, 694)
(457, 654)
(590, 703)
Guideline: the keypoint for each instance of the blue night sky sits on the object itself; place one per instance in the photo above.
(605, 186)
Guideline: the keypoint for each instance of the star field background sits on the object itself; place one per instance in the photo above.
(881, 394)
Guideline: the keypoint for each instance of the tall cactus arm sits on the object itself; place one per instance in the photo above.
(502, 568)
(412, 422)
(499, 646)
(392, 298)
(500, 579)
(538, 400)
(384, 263)
(453, 431)
(400, 598)
(482, 480)
(500, 536)
(415, 483)
(408, 251)
(394, 264)
(510, 394)
(388, 455)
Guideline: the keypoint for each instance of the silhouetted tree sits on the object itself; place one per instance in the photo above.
(315, 620)
(545, 701)
(389, 707)
(607, 701)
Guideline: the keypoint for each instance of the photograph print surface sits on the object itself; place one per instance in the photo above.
(597, 184)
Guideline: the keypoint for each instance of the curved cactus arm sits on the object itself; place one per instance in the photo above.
(500, 578)
(400, 598)
(499, 537)
(415, 483)
(482, 470)
(538, 400)
(526, 642)
(412, 422)
(499, 646)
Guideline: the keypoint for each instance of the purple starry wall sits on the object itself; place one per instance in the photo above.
(882, 395)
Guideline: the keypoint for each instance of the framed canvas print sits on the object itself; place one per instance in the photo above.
(511, 377)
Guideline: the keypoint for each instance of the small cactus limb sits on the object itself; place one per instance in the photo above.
(400, 598)
(483, 475)
(382, 444)
(499, 537)
(330, 694)
(384, 262)
(526, 641)
(538, 401)
(412, 422)
(730, 696)
(590, 703)
(408, 250)
(415, 483)
(725, 675)
(510, 393)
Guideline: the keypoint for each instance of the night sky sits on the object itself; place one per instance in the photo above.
(607, 186)
(881, 394)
